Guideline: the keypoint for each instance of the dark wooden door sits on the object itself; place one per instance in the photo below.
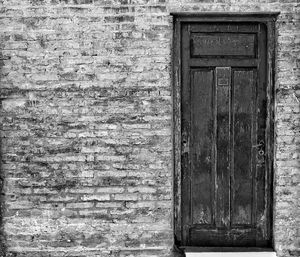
(225, 178)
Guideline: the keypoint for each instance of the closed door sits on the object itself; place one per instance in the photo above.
(225, 184)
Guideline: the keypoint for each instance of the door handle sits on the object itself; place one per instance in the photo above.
(260, 151)
(260, 144)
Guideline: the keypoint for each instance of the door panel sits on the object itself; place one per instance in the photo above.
(202, 141)
(243, 140)
(223, 81)
(223, 132)
(223, 44)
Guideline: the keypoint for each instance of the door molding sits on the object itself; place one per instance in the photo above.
(266, 18)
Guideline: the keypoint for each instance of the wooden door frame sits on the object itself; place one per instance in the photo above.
(266, 18)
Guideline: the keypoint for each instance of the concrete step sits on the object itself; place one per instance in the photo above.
(230, 254)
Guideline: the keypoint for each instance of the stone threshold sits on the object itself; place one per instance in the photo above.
(230, 254)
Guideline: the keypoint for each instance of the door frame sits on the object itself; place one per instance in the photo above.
(266, 18)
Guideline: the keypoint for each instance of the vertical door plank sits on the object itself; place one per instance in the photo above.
(223, 84)
(262, 191)
(202, 146)
(242, 186)
(185, 137)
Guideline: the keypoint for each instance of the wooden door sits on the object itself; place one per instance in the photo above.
(225, 176)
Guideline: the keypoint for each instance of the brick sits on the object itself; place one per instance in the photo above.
(92, 212)
(82, 190)
(141, 189)
(126, 197)
(79, 205)
(109, 205)
(95, 198)
(110, 190)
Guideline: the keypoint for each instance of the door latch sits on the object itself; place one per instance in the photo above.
(260, 150)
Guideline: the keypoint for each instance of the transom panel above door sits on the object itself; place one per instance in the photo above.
(223, 132)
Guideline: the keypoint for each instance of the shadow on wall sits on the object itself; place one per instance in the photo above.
(2, 238)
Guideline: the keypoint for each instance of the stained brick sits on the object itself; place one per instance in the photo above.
(79, 205)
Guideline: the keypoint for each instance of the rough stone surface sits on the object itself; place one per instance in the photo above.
(86, 125)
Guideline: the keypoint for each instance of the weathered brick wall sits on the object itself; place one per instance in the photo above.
(86, 125)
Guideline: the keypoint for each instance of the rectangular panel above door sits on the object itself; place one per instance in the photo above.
(216, 45)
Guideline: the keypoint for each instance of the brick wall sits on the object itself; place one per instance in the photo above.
(86, 125)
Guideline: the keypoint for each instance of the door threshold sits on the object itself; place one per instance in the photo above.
(228, 252)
